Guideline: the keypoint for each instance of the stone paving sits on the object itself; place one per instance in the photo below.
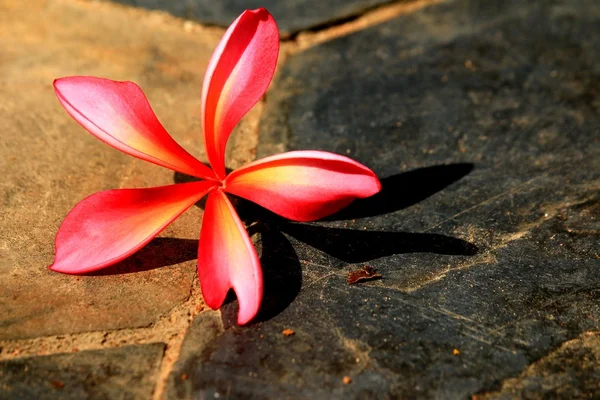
(292, 16)
(482, 119)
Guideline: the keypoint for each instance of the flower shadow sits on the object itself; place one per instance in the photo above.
(160, 252)
(281, 266)
(404, 190)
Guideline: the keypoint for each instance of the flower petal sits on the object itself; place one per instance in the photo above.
(303, 185)
(109, 226)
(227, 259)
(118, 113)
(238, 74)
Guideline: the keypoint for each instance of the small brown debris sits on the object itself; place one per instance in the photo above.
(58, 384)
(366, 273)
(469, 64)
(461, 145)
(288, 332)
(347, 380)
(456, 352)
(184, 377)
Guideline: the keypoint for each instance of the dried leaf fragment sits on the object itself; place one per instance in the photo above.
(57, 384)
(366, 273)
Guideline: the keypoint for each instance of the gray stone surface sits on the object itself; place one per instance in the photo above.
(292, 16)
(482, 119)
(120, 373)
(570, 372)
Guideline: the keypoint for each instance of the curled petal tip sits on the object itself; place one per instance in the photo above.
(227, 259)
(66, 269)
(245, 318)
(379, 187)
(376, 185)
(260, 12)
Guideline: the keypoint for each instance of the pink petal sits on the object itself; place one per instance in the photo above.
(238, 74)
(303, 185)
(118, 113)
(109, 226)
(227, 259)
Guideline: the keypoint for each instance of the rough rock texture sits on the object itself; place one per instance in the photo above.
(482, 118)
(121, 373)
(291, 15)
(49, 162)
(570, 372)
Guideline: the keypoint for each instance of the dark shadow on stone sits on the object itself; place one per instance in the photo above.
(404, 190)
(160, 252)
(229, 311)
(282, 274)
(230, 297)
(356, 246)
(178, 177)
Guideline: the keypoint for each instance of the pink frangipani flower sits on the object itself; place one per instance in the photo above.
(109, 226)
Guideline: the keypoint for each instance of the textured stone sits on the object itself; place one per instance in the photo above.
(570, 372)
(120, 373)
(482, 120)
(292, 16)
(49, 163)
(204, 329)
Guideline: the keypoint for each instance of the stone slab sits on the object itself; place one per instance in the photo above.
(49, 163)
(482, 121)
(121, 373)
(292, 16)
(570, 372)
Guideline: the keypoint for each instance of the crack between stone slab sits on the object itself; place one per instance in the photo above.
(300, 40)
(168, 328)
(347, 19)
(194, 306)
(375, 15)
(243, 141)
